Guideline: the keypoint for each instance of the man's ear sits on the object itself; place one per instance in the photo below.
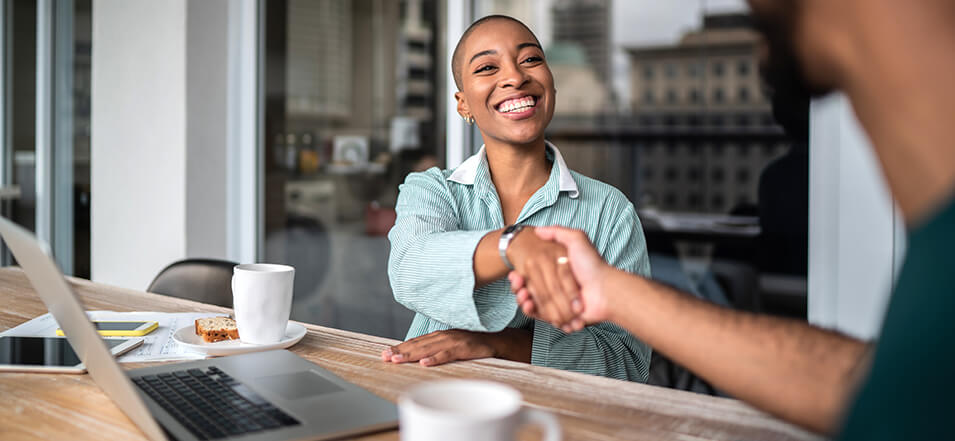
(463, 108)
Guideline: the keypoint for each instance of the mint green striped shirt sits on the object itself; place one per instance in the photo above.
(442, 215)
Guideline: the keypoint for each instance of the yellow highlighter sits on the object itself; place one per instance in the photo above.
(122, 328)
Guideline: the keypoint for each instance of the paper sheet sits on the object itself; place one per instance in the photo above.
(158, 344)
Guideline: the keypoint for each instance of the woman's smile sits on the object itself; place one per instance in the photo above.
(518, 107)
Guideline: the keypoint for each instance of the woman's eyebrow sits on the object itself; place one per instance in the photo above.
(494, 52)
(481, 54)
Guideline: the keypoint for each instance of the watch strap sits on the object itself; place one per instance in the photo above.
(509, 233)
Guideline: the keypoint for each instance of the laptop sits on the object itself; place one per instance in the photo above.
(272, 395)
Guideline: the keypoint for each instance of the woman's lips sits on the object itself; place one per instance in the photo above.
(523, 114)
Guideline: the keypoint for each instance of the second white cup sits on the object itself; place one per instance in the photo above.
(468, 410)
(262, 301)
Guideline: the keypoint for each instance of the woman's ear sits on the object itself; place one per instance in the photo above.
(463, 109)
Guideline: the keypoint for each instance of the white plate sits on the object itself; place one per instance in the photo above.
(187, 337)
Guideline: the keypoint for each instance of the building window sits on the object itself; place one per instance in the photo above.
(717, 201)
(671, 174)
(742, 176)
(648, 96)
(718, 68)
(695, 96)
(694, 174)
(718, 95)
(670, 70)
(671, 96)
(717, 175)
(669, 200)
(693, 69)
(743, 94)
(648, 71)
(742, 69)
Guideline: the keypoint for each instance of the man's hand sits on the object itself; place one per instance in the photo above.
(546, 273)
(442, 347)
(588, 269)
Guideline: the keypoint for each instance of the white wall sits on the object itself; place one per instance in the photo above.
(206, 71)
(856, 238)
(173, 135)
(138, 139)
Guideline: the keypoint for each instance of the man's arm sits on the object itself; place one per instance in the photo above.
(795, 371)
(798, 372)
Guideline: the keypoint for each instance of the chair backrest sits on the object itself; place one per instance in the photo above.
(202, 280)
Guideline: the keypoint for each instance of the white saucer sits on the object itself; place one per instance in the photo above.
(187, 337)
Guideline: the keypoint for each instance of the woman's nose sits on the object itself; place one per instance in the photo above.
(512, 76)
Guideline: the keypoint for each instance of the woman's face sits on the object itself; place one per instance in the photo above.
(506, 85)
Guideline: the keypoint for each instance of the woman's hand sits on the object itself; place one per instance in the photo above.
(441, 347)
(546, 273)
(588, 269)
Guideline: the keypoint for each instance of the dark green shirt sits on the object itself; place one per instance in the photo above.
(910, 391)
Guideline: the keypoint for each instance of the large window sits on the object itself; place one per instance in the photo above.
(355, 99)
(721, 189)
(46, 125)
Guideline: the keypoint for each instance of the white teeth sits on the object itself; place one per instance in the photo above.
(519, 104)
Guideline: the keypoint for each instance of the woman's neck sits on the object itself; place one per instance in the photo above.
(517, 171)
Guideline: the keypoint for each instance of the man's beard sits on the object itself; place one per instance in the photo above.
(783, 69)
(789, 88)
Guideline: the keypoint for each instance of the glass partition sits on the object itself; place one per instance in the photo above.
(65, 56)
(354, 102)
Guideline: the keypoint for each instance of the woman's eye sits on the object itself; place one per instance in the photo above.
(484, 69)
(533, 59)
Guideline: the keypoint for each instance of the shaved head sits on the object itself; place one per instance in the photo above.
(457, 60)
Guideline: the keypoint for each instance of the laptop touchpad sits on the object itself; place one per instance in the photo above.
(298, 385)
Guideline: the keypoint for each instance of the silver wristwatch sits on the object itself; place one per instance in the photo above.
(506, 238)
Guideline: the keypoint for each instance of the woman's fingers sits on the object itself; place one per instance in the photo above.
(517, 282)
(441, 357)
(414, 349)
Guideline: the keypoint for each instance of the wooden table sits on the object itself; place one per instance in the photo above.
(47, 406)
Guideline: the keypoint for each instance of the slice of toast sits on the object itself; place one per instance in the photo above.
(215, 329)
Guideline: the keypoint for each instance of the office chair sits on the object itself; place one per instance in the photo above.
(202, 280)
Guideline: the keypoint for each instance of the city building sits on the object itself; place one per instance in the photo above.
(586, 23)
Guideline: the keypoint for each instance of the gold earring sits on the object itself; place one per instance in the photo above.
(468, 119)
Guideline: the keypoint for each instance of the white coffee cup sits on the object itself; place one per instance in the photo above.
(262, 301)
(468, 410)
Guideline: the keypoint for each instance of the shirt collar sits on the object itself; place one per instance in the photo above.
(468, 170)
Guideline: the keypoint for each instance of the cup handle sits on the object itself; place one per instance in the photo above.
(545, 420)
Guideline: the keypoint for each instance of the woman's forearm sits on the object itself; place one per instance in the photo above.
(513, 344)
(488, 265)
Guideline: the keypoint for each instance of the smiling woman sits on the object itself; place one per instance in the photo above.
(460, 232)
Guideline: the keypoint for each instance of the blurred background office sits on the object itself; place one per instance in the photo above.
(136, 133)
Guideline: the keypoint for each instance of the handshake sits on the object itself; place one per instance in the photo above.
(558, 277)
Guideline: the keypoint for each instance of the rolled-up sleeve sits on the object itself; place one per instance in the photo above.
(603, 349)
(431, 265)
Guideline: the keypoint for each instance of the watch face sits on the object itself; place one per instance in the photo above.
(513, 229)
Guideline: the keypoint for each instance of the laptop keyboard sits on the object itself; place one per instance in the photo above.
(211, 404)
